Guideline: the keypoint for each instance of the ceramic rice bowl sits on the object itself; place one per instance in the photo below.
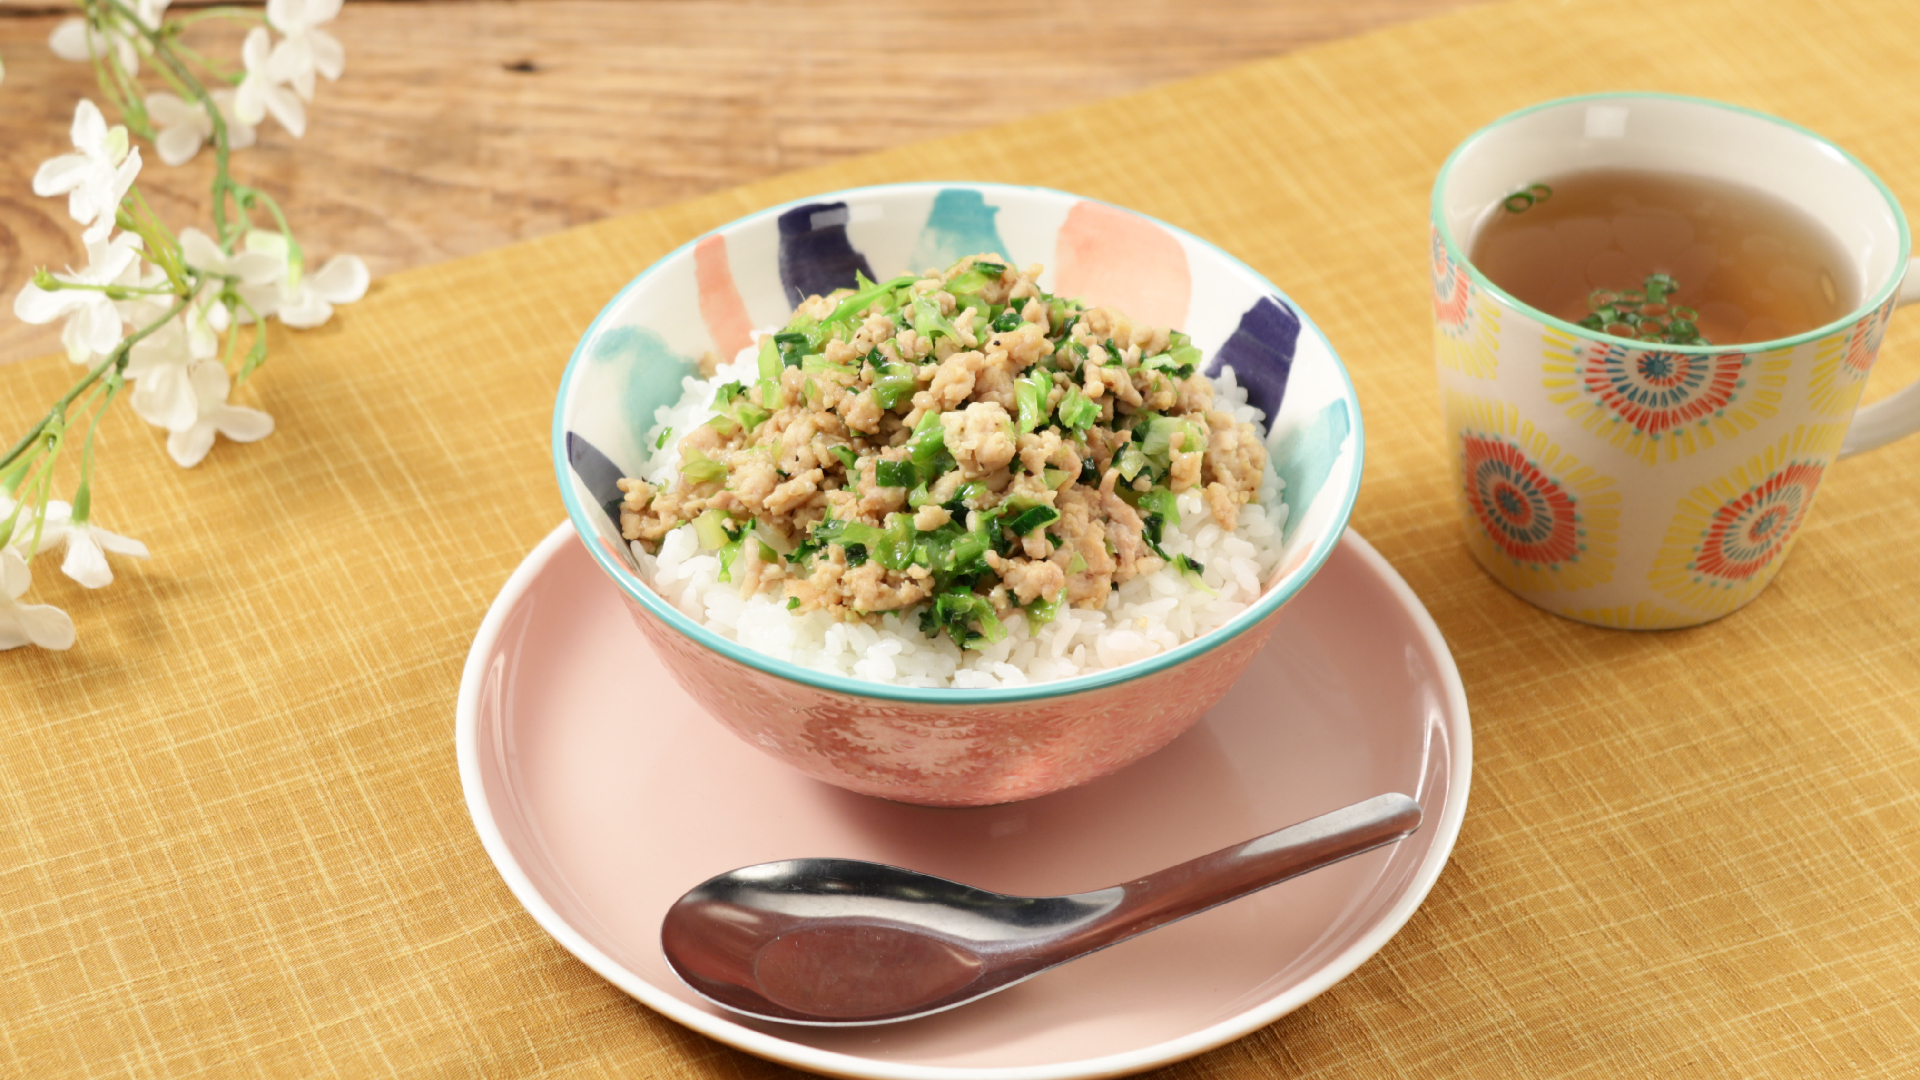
(944, 746)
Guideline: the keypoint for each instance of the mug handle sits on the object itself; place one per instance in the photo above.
(1890, 418)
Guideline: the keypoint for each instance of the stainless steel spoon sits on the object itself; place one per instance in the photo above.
(840, 942)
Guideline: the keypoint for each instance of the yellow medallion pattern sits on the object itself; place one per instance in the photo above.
(1841, 363)
(1729, 537)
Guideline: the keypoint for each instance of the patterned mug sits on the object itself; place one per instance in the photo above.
(1649, 486)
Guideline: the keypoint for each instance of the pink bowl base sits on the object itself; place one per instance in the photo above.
(952, 755)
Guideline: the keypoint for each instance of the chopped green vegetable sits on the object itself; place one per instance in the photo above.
(959, 613)
(793, 603)
(711, 528)
(1031, 391)
(847, 457)
(928, 447)
(856, 554)
(661, 442)
(699, 468)
(1158, 444)
(1042, 611)
(1191, 570)
(927, 320)
(1160, 501)
(1130, 462)
(1037, 517)
(1077, 412)
(864, 297)
(900, 474)
(1055, 479)
(893, 383)
(793, 347)
(1007, 320)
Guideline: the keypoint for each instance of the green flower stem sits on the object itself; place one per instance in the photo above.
(225, 232)
(115, 360)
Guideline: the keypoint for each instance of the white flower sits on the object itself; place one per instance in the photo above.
(253, 266)
(87, 547)
(74, 39)
(264, 89)
(210, 388)
(95, 179)
(303, 300)
(93, 322)
(158, 365)
(21, 624)
(183, 127)
(342, 281)
(86, 544)
(53, 527)
(307, 48)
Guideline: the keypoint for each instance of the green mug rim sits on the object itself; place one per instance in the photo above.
(1866, 307)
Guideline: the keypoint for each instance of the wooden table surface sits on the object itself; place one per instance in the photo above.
(462, 125)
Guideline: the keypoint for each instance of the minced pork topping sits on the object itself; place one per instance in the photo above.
(959, 441)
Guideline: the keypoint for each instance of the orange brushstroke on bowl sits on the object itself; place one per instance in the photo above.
(721, 307)
(1106, 256)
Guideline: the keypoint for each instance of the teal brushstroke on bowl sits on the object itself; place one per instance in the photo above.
(1307, 455)
(960, 224)
(653, 371)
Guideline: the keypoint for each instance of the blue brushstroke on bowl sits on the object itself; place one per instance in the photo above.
(960, 224)
(599, 473)
(1260, 351)
(815, 255)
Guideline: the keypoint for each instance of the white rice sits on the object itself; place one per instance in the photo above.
(1142, 618)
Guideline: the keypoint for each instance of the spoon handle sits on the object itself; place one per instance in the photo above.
(1233, 872)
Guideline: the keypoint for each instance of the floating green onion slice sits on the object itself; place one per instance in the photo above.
(1540, 192)
(1518, 202)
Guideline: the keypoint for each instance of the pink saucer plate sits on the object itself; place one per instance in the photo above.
(602, 793)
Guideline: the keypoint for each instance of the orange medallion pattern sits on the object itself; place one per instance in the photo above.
(1544, 520)
(1728, 538)
(1660, 404)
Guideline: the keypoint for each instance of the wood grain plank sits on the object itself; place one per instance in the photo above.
(462, 125)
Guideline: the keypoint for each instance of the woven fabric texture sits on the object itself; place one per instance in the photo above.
(232, 838)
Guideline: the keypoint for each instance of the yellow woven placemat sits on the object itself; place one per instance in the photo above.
(232, 839)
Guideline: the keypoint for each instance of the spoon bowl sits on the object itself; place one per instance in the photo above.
(842, 942)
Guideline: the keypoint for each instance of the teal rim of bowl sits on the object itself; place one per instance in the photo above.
(643, 595)
(1879, 297)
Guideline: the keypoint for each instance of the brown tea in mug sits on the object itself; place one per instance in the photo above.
(1728, 264)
